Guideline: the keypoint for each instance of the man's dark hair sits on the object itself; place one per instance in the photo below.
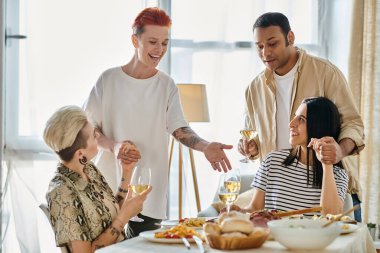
(274, 19)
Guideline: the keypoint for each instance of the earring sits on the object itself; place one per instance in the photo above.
(83, 160)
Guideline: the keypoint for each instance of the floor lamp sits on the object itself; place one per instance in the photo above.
(194, 105)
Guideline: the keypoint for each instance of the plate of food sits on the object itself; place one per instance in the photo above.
(343, 219)
(190, 222)
(171, 235)
(347, 228)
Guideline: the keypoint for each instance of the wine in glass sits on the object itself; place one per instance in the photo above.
(228, 190)
(247, 134)
(140, 182)
(233, 180)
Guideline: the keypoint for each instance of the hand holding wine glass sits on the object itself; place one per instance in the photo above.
(133, 205)
(140, 182)
(247, 136)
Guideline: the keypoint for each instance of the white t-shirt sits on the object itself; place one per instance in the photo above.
(284, 85)
(143, 111)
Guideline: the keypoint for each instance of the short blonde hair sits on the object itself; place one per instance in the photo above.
(63, 129)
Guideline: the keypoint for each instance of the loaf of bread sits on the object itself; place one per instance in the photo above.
(234, 234)
(233, 214)
(236, 225)
(212, 228)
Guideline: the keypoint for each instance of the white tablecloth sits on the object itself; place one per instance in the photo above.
(359, 241)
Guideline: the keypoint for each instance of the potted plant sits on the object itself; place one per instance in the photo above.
(372, 229)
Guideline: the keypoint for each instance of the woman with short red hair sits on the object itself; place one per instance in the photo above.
(139, 103)
(150, 16)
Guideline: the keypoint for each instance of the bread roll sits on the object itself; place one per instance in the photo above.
(234, 234)
(233, 214)
(258, 232)
(211, 228)
(236, 225)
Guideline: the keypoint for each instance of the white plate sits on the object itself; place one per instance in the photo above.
(169, 223)
(149, 235)
(349, 228)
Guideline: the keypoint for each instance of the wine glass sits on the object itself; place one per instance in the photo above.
(232, 180)
(140, 182)
(247, 134)
(228, 188)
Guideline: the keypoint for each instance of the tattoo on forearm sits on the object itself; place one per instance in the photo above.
(114, 231)
(119, 198)
(189, 142)
(99, 246)
(187, 137)
(122, 179)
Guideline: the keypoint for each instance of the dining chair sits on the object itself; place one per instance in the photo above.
(45, 210)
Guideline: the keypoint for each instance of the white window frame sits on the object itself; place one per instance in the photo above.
(11, 87)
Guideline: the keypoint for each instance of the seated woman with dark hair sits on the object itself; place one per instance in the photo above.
(295, 179)
(83, 211)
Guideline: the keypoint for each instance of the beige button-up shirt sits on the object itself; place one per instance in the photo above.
(315, 77)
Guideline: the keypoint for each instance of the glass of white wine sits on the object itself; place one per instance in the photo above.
(232, 180)
(247, 134)
(140, 182)
(228, 188)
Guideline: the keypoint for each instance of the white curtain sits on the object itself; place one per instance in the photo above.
(69, 44)
(25, 228)
(364, 79)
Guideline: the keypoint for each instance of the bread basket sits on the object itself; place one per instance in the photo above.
(254, 240)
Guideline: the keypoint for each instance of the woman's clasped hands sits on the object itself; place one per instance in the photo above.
(326, 149)
(127, 153)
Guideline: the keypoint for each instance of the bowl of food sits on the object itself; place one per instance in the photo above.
(303, 234)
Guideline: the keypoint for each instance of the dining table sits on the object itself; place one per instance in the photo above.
(358, 241)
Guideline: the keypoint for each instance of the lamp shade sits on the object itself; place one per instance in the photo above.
(194, 102)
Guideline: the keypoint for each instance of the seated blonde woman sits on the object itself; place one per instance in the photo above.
(84, 212)
(299, 178)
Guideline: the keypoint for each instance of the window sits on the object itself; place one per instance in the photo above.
(68, 45)
(212, 44)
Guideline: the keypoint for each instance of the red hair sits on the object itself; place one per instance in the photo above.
(150, 16)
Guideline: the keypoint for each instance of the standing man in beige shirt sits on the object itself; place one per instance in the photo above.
(290, 76)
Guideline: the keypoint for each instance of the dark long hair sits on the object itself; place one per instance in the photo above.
(323, 119)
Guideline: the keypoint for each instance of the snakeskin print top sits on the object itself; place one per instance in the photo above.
(80, 210)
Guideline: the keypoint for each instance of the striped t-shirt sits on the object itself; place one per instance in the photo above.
(286, 187)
